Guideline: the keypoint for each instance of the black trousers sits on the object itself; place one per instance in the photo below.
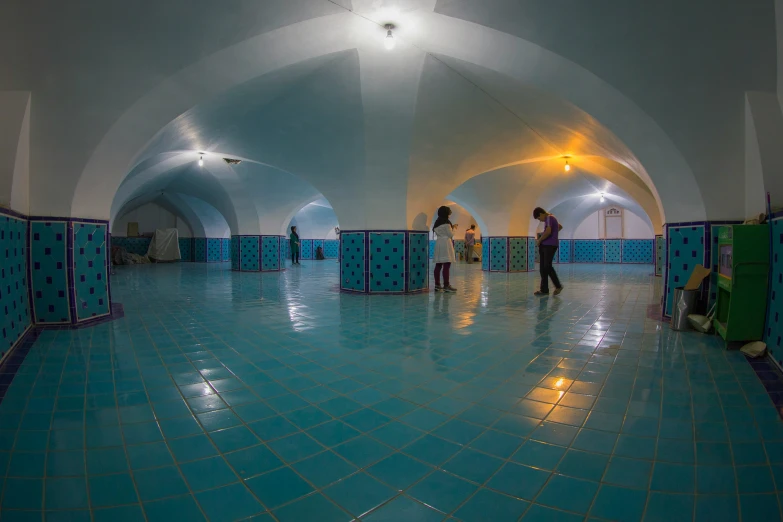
(547, 254)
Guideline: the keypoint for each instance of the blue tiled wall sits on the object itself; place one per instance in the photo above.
(306, 250)
(387, 262)
(49, 276)
(134, 245)
(318, 243)
(532, 259)
(91, 291)
(498, 254)
(285, 249)
(214, 253)
(332, 248)
(517, 254)
(774, 330)
(484, 254)
(459, 247)
(352, 272)
(418, 261)
(432, 248)
(638, 251)
(588, 251)
(200, 249)
(225, 249)
(185, 248)
(14, 311)
(248, 253)
(660, 255)
(686, 249)
(565, 250)
(235, 260)
(270, 253)
(613, 251)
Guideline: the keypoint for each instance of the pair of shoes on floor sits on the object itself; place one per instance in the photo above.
(539, 293)
(449, 289)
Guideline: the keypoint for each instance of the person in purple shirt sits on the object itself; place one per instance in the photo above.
(547, 247)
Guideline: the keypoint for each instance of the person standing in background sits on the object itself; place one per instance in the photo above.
(294, 240)
(444, 249)
(547, 247)
(470, 242)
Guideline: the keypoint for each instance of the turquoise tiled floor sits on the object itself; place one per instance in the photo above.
(225, 396)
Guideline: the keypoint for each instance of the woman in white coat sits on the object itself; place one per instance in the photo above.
(444, 249)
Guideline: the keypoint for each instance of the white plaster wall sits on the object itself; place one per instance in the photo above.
(15, 150)
(763, 152)
(314, 221)
(459, 216)
(634, 227)
(150, 217)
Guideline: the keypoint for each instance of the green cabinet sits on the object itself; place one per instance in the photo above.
(743, 270)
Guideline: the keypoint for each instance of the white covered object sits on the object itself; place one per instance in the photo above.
(164, 245)
(444, 246)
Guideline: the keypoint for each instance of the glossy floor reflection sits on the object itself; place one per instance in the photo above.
(225, 396)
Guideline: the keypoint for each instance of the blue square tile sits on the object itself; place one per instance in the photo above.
(109, 460)
(192, 448)
(218, 420)
(23, 493)
(272, 428)
(147, 456)
(630, 473)
(711, 508)
(359, 493)
(158, 483)
(680, 451)
(473, 465)
(539, 454)
(442, 491)
(366, 419)
(554, 433)
(669, 507)
(497, 443)
(754, 479)
(396, 434)
(278, 487)
(308, 417)
(253, 461)
(234, 439)
(324, 469)
(617, 503)
(595, 441)
(675, 478)
(489, 505)
(581, 464)
(399, 471)
(519, 481)
(333, 433)
(27, 464)
(119, 514)
(424, 419)
(112, 490)
(306, 507)
(362, 451)
(180, 427)
(568, 493)
(403, 508)
(433, 450)
(295, 447)
(538, 513)
(63, 464)
(66, 493)
(184, 508)
(228, 503)
(208, 473)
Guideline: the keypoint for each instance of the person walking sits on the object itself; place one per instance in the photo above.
(294, 240)
(470, 242)
(547, 247)
(444, 249)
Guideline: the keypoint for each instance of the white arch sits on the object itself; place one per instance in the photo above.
(434, 33)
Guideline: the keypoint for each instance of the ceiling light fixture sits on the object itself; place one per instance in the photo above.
(602, 197)
(389, 42)
(201, 160)
(567, 166)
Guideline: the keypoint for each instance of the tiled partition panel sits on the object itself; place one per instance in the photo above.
(588, 250)
(384, 262)
(686, 247)
(534, 258)
(332, 248)
(565, 251)
(134, 245)
(258, 253)
(774, 330)
(508, 254)
(68, 270)
(306, 250)
(660, 255)
(14, 306)
(225, 249)
(638, 251)
(186, 251)
(613, 251)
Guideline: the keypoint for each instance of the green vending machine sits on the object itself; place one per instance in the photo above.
(743, 270)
